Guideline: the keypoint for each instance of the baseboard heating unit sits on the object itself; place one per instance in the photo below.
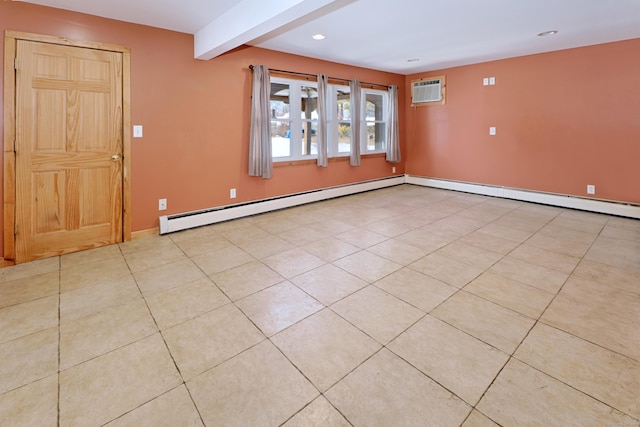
(183, 221)
(609, 207)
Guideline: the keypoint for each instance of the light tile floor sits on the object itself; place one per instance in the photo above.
(406, 306)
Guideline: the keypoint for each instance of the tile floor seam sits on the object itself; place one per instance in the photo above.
(484, 393)
(185, 383)
(538, 320)
(424, 374)
(354, 325)
(232, 302)
(626, 356)
(509, 355)
(166, 346)
(563, 214)
(583, 392)
(149, 401)
(500, 305)
(471, 336)
(217, 365)
(436, 278)
(108, 352)
(478, 338)
(512, 354)
(401, 299)
(323, 393)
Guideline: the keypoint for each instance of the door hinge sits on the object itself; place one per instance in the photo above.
(15, 146)
(15, 63)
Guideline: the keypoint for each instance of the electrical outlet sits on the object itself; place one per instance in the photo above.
(232, 193)
(485, 81)
(591, 189)
(393, 169)
(492, 81)
(162, 204)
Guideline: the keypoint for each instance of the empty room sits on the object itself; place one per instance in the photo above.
(320, 213)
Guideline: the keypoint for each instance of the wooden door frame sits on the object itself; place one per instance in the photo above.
(10, 46)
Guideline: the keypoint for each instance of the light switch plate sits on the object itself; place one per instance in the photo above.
(492, 130)
(485, 81)
(137, 131)
(492, 81)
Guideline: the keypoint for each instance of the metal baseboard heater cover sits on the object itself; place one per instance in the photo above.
(609, 207)
(177, 222)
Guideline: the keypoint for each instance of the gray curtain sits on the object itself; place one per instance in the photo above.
(393, 136)
(354, 87)
(322, 121)
(260, 162)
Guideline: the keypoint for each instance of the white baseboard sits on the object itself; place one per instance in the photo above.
(565, 201)
(177, 222)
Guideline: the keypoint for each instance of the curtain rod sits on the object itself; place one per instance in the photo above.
(315, 75)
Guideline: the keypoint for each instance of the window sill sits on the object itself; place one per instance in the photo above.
(283, 163)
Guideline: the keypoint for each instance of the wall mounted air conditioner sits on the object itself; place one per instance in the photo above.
(428, 91)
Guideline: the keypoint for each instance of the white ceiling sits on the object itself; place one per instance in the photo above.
(384, 34)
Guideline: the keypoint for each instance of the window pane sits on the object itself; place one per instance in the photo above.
(374, 107)
(343, 115)
(309, 138)
(279, 101)
(375, 136)
(280, 141)
(374, 115)
(344, 103)
(280, 123)
(344, 137)
(309, 103)
(309, 116)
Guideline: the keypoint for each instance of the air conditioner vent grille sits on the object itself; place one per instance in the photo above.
(427, 91)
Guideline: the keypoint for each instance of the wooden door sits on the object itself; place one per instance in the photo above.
(68, 149)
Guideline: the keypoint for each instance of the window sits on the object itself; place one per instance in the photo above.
(339, 120)
(294, 119)
(376, 121)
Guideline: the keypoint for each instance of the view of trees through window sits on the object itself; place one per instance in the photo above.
(375, 121)
(294, 119)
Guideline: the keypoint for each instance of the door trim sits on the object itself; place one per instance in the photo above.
(9, 174)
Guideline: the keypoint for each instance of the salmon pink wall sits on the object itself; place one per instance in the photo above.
(196, 114)
(563, 120)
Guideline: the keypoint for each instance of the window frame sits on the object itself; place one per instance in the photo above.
(333, 122)
(296, 121)
(364, 146)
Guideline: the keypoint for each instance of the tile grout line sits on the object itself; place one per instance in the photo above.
(511, 356)
(536, 321)
(165, 342)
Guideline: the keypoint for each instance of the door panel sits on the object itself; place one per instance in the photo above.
(68, 149)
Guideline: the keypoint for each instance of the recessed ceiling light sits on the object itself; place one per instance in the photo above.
(548, 33)
(318, 37)
(413, 60)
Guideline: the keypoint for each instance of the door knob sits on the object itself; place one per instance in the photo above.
(115, 157)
